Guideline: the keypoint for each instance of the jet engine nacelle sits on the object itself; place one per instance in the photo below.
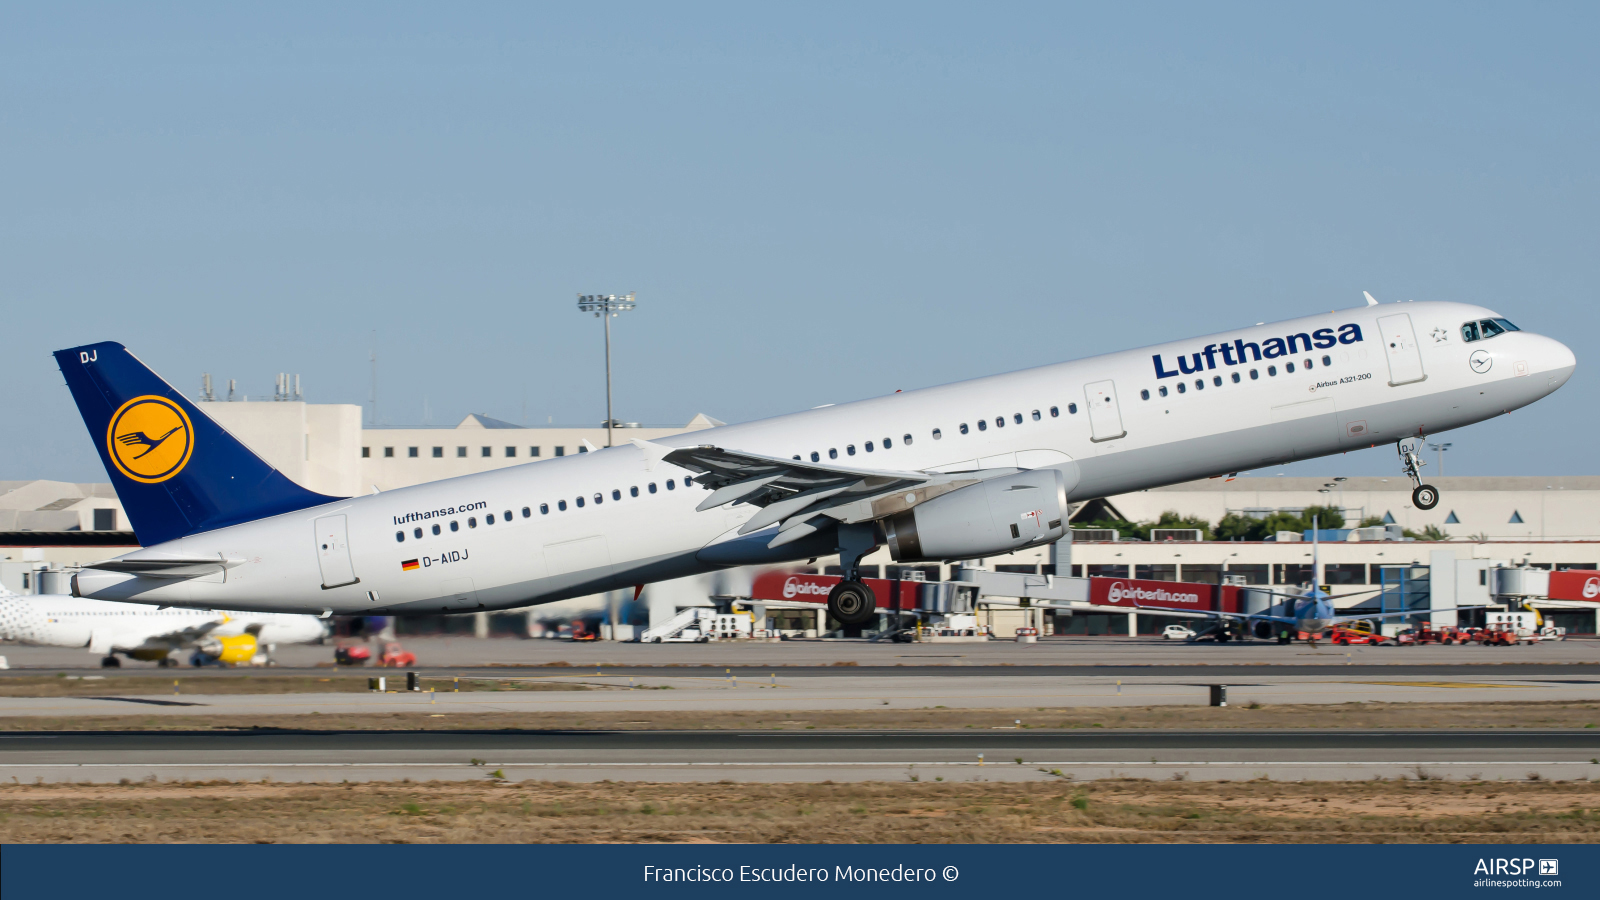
(989, 518)
(233, 650)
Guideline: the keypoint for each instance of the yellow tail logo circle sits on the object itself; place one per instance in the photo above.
(150, 439)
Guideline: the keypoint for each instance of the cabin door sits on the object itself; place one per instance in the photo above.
(1105, 417)
(1400, 344)
(333, 553)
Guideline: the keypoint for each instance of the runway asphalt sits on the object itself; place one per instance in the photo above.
(996, 755)
(782, 692)
(458, 652)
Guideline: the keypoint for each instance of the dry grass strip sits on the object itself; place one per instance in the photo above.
(1555, 714)
(1120, 811)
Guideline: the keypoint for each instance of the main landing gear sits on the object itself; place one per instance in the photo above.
(1423, 496)
(850, 602)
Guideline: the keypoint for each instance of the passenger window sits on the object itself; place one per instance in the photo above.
(1254, 375)
(888, 443)
(1054, 412)
(1216, 380)
(652, 487)
(983, 425)
(669, 484)
(833, 453)
(1288, 368)
(435, 529)
(1000, 421)
(560, 504)
(526, 513)
(1327, 361)
(579, 501)
(1308, 365)
(937, 435)
(1162, 390)
(487, 520)
(814, 458)
(867, 446)
(454, 525)
(616, 494)
(1490, 328)
(508, 513)
(416, 533)
(472, 521)
(544, 509)
(633, 491)
(1236, 378)
(850, 450)
(1182, 389)
(963, 428)
(599, 498)
(399, 536)
(1272, 370)
(1144, 394)
(1016, 418)
(1199, 384)
(1037, 416)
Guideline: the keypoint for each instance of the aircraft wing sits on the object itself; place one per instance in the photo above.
(802, 497)
(1339, 620)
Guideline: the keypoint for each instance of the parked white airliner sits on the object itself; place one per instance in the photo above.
(139, 631)
(967, 470)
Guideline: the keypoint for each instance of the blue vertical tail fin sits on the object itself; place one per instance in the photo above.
(176, 471)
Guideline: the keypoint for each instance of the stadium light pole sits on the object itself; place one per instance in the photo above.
(606, 307)
(1441, 448)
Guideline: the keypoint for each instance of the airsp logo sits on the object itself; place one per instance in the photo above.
(150, 439)
(1591, 589)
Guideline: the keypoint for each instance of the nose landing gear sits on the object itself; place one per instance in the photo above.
(1423, 496)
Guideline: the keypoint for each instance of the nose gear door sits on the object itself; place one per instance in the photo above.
(1400, 345)
(333, 553)
(1105, 416)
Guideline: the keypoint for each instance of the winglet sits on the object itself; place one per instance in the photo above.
(653, 453)
(588, 446)
(1371, 301)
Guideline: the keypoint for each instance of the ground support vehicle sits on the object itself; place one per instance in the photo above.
(395, 656)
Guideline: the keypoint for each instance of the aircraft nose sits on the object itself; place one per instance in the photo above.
(1556, 359)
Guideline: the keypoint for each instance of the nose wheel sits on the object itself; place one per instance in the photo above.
(1423, 496)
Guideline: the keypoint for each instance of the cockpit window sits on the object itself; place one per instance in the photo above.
(1485, 329)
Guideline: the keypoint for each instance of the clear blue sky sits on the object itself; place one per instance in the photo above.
(815, 204)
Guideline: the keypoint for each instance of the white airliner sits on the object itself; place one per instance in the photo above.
(963, 471)
(140, 631)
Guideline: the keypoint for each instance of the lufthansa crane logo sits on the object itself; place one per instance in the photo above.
(150, 439)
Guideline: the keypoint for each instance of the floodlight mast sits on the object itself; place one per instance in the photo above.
(605, 307)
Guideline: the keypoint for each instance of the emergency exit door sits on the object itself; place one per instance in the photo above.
(1105, 416)
(1400, 345)
(333, 553)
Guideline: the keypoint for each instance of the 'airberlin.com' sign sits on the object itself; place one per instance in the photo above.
(1128, 592)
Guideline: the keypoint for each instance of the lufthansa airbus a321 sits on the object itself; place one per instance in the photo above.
(962, 471)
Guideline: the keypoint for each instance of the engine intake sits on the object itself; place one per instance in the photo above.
(986, 519)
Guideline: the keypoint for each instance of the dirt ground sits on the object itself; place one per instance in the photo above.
(65, 685)
(1126, 811)
(1546, 715)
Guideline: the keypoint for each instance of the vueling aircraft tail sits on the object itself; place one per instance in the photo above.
(176, 471)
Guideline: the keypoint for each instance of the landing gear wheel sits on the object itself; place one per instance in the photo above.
(1426, 496)
(110, 662)
(852, 603)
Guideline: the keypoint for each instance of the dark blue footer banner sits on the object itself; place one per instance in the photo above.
(1170, 872)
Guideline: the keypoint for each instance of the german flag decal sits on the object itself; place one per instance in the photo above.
(409, 564)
